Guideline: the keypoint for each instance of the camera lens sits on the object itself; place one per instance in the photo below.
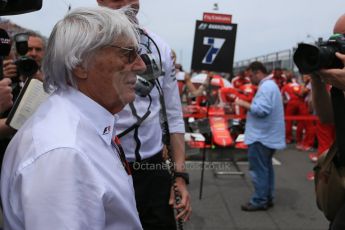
(328, 59)
(26, 66)
(309, 58)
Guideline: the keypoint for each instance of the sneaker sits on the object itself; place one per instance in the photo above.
(313, 157)
(310, 176)
(299, 146)
(307, 148)
(248, 207)
(288, 141)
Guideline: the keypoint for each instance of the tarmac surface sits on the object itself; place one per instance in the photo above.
(222, 195)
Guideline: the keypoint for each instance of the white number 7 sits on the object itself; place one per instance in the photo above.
(215, 46)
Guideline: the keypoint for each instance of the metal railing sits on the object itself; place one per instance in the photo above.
(280, 59)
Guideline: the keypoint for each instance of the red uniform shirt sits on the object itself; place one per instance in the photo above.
(292, 91)
(248, 91)
(238, 81)
(280, 80)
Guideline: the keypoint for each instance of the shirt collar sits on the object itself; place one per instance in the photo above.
(269, 77)
(100, 118)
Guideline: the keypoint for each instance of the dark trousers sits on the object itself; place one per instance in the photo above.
(339, 221)
(262, 173)
(152, 183)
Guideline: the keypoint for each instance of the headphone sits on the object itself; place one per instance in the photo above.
(146, 80)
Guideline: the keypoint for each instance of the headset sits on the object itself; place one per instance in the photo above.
(146, 80)
(144, 84)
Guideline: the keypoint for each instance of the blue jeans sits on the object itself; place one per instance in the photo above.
(261, 171)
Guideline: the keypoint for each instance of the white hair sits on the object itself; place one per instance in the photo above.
(78, 36)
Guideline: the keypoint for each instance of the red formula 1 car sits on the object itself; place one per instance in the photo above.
(215, 116)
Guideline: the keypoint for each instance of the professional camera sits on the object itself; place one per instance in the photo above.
(26, 66)
(309, 58)
(13, 7)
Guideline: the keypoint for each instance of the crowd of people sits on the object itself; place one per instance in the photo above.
(309, 135)
(81, 160)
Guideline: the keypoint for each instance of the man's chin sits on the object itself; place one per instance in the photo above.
(129, 98)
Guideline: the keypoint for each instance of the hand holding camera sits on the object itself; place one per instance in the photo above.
(5, 94)
(335, 77)
(26, 66)
(325, 59)
(9, 69)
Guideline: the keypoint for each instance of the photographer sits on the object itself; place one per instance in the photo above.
(334, 77)
(36, 50)
(323, 105)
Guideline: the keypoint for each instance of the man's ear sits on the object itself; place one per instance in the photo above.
(80, 72)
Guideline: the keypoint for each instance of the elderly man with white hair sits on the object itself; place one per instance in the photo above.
(65, 168)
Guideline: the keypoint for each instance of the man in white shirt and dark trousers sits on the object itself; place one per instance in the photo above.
(63, 168)
(143, 144)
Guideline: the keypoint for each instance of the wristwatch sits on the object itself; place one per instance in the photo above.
(183, 175)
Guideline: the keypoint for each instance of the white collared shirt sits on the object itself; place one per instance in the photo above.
(60, 170)
(150, 132)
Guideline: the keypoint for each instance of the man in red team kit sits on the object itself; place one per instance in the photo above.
(294, 105)
(278, 77)
(240, 79)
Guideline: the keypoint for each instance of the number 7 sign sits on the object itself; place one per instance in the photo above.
(214, 46)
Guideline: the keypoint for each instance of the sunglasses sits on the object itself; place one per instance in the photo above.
(132, 52)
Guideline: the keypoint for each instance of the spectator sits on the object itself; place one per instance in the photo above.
(36, 50)
(323, 106)
(63, 168)
(264, 133)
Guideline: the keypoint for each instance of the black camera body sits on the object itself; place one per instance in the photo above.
(14, 7)
(309, 58)
(26, 66)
